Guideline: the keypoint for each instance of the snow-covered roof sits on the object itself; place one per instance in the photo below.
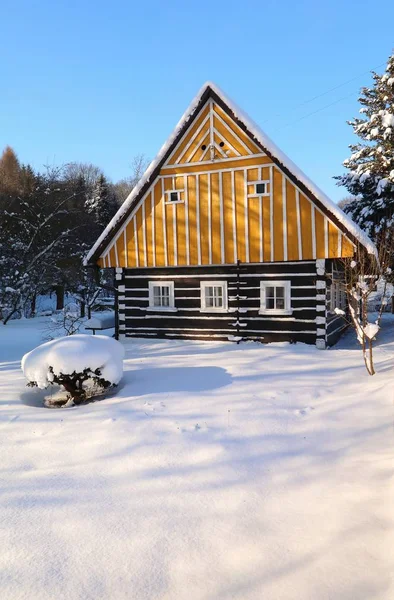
(269, 146)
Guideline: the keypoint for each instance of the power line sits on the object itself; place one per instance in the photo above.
(324, 94)
(316, 111)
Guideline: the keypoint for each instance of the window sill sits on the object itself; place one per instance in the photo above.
(174, 202)
(214, 310)
(275, 312)
(161, 309)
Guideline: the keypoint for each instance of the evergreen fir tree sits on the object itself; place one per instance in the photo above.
(371, 165)
(102, 204)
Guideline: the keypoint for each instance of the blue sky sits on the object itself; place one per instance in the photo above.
(103, 81)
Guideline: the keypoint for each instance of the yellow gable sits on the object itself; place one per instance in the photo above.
(219, 198)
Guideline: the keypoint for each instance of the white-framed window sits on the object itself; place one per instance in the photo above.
(256, 189)
(174, 196)
(213, 296)
(275, 297)
(161, 295)
(336, 296)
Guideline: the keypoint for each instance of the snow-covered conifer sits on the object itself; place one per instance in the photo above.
(102, 202)
(371, 164)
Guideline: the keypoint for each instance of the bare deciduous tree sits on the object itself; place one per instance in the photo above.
(138, 166)
(361, 280)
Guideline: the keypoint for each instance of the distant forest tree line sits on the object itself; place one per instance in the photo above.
(48, 221)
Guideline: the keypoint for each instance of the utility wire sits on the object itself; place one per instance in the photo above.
(337, 87)
(315, 111)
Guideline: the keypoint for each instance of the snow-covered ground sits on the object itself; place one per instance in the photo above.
(217, 471)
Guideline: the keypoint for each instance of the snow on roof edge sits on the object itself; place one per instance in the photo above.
(265, 141)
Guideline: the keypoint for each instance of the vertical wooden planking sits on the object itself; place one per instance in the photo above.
(325, 237)
(278, 216)
(147, 206)
(111, 258)
(144, 235)
(115, 247)
(240, 214)
(187, 243)
(152, 197)
(228, 218)
(191, 190)
(253, 175)
(291, 222)
(119, 250)
(204, 226)
(306, 229)
(313, 230)
(140, 238)
(216, 248)
(319, 228)
(164, 215)
(198, 219)
(332, 241)
(130, 244)
(158, 228)
(347, 247)
(222, 244)
(299, 231)
(137, 251)
(339, 243)
(254, 229)
(209, 219)
(125, 248)
(174, 232)
(169, 217)
(180, 223)
(246, 216)
(234, 216)
(284, 199)
(261, 228)
(271, 214)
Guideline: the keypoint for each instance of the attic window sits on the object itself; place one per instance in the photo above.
(259, 188)
(203, 147)
(174, 196)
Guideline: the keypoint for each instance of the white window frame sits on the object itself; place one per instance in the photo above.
(287, 310)
(267, 182)
(152, 307)
(204, 307)
(168, 197)
(337, 296)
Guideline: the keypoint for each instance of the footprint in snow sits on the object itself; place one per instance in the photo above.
(304, 411)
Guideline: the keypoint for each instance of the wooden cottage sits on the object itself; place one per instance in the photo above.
(225, 238)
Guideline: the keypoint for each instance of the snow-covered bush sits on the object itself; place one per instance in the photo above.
(77, 363)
